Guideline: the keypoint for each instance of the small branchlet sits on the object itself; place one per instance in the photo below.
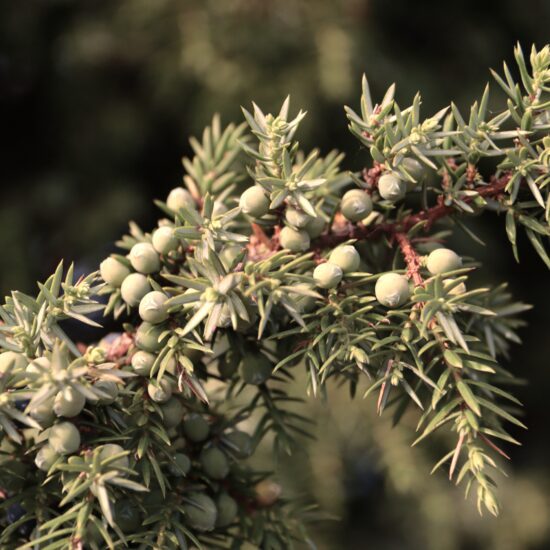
(253, 272)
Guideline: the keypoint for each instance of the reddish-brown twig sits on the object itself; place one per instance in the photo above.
(412, 259)
(429, 215)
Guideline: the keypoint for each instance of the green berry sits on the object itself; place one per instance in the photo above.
(346, 258)
(327, 275)
(315, 226)
(392, 290)
(144, 258)
(254, 202)
(392, 187)
(160, 391)
(200, 511)
(442, 260)
(227, 510)
(68, 402)
(142, 362)
(214, 463)
(303, 302)
(109, 388)
(181, 465)
(16, 362)
(93, 536)
(43, 413)
(355, 205)
(297, 218)
(45, 458)
(228, 363)
(134, 288)
(294, 240)
(196, 428)
(414, 169)
(148, 337)
(112, 449)
(239, 443)
(127, 516)
(255, 368)
(113, 272)
(152, 308)
(64, 438)
(179, 443)
(37, 368)
(172, 412)
(164, 240)
(179, 198)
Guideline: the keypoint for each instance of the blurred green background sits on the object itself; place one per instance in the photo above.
(97, 99)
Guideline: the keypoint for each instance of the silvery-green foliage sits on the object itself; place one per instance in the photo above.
(142, 440)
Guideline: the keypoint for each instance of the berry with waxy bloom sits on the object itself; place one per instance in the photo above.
(355, 205)
(214, 463)
(46, 457)
(152, 308)
(346, 258)
(16, 362)
(294, 240)
(172, 412)
(109, 388)
(179, 198)
(255, 368)
(181, 465)
(392, 289)
(68, 402)
(64, 438)
(196, 428)
(442, 260)
(415, 169)
(238, 443)
(113, 272)
(228, 363)
(148, 337)
(296, 218)
(110, 450)
(160, 391)
(164, 240)
(315, 226)
(127, 516)
(144, 258)
(142, 362)
(328, 275)
(392, 187)
(254, 201)
(43, 412)
(200, 511)
(134, 288)
(227, 510)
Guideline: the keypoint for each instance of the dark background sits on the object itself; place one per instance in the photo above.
(97, 99)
